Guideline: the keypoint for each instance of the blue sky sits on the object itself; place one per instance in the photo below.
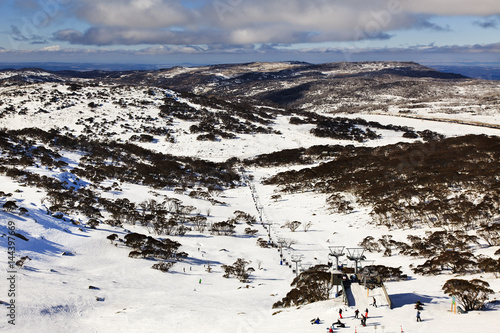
(222, 31)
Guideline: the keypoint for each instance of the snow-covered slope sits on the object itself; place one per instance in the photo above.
(52, 291)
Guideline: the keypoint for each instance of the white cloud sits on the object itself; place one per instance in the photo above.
(135, 13)
(53, 48)
(131, 22)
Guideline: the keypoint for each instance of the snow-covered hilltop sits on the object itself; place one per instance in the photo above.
(189, 199)
(395, 88)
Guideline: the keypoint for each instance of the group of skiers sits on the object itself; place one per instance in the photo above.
(356, 313)
(363, 318)
(341, 324)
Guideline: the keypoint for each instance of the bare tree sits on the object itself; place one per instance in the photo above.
(292, 225)
(287, 242)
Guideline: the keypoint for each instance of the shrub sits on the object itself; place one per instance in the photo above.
(370, 244)
(311, 286)
(338, 204)
(262, 243)
(93, 223)
(457, 262)
(489, 265)
(250, 231)
(388, 273)
(222, 228)
(293, 225)
(470, 294)
(163, 266)
(238, 269)
(9, 206)
(112, 238)
(491, 234)
(149, 247)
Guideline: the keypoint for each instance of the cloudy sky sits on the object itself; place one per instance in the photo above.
(222, 31)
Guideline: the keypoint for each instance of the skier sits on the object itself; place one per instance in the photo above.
(356, 313)
(315, 321)
(339, 324)
(418, 316)
(366, 313)
(340, 314)
(199, 281)
(374, 302)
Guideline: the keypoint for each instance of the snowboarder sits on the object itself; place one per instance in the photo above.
(366, 313)
(374, 302)
(339, 324)
(363, 320)
(418, 316)
(356, 313)
(340, 314)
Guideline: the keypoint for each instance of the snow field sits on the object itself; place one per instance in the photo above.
(53, 293)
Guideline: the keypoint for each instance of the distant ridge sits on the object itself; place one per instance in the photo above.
(404, 88)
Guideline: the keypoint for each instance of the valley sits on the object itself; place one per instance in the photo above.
(190, 199)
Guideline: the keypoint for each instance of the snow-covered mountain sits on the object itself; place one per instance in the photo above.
(190, 198)
(396, 88)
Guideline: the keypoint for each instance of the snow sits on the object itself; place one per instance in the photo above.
(52, 289)
(437, 126)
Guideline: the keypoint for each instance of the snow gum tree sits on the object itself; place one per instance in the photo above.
(310, 286)
(470, 294)
(239, 270)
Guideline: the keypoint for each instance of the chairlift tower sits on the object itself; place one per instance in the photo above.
(355, 254)
(281, 243)
(336, 251)
(297, 259)
(367, 275)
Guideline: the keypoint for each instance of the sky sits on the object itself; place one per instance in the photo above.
(199, 32)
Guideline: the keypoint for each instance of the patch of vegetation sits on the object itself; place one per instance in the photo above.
(450, 183)
(310, 286)
(471, 295)
(239, 270)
